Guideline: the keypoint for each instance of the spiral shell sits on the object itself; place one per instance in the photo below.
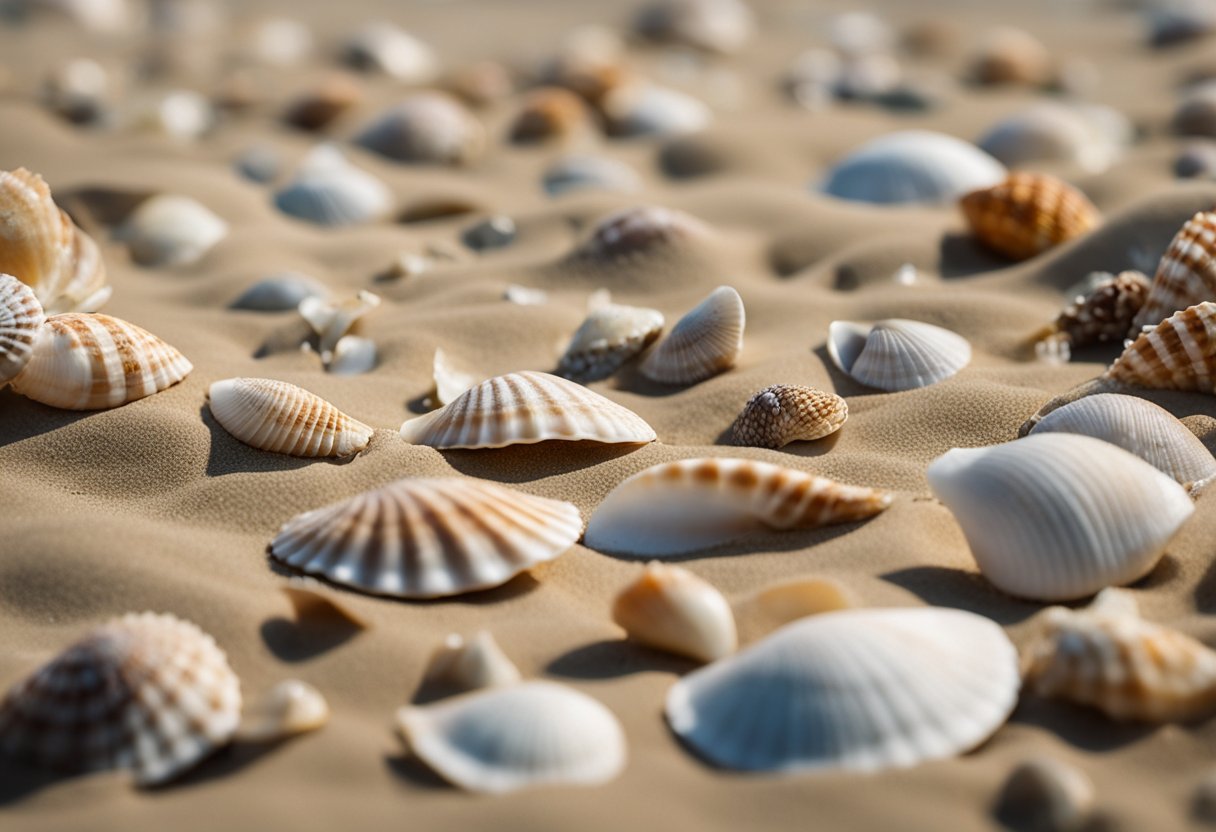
(1186, 274)
(1104, 313)
(425, 128)
(20, 319)
(896, 354)
(1028, 214)
(672, 609)
(703, 343)
(611, 335)
(785, 413)
(282, 418)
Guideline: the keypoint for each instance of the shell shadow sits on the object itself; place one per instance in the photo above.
(226, 762)
(959, 256)
(24, 418)
(408, 767)
(613, 658)
(524, 463)
(19, 781)
(418, 405)
(814, 447)
(786, 540)
(227, 455)
(1080, 727)
(843, 384)
(298, 641)
(943, 586)
(629, 379)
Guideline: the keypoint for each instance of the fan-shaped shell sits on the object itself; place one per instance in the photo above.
(1089, 136)
(705, 342)
(579, 173)
(426, 127)
(896, 354)
(150, 693)
(785, 413)
(721, 26)
(1178, 354)
(525, 408)
(1027, 214)
(384, 47)
(693, 504)
(279, 293)
(672, 609)
(633, 231)
(91, 362)
(20, 319)
(282, 418)
(856, 690)
(459, 665)
(1186, 274)
(170, 230)
(650, 110)
(291, 707)
(1104, 312)
(1056, 516)
(428, 538)
(330, 191)
(611, 335)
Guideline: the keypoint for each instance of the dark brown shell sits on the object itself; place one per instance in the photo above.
(1105, 312)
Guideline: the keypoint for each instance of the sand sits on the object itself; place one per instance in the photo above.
(153, 506)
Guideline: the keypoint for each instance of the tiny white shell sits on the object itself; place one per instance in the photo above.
(290, 707)
(330, 191)
(897, 354)
(672, 609)
(353, 355)
(279, 293)
(171, 230)
(650, 110)
(21, 317)
(283, 418)
(703, 343)
(459, 665)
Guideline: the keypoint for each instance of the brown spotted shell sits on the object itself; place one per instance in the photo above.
(1027, 214)
(1105, 312)
(282, 418)
(785, 413)
(20, 319)
(1177, 354)
(551, 114)
(1186, 274)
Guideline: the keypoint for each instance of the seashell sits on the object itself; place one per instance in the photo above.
(551, 114)
(721, 26)
(150, 693)
(281, 418)
(1027, 214)
(632, 231)
(279, 293)
(860, 33)
(590, 61)
(1180, 21)
(856, 690)
(459, 665)
(1087, 135)
(291, 707)
(525, 408)
(505, 739)
(320, 106)
(694, 504)
(1178, 354)
(1108, 657)
(91, 362)
(169, 230)
(450, 382)
(79, 91)
(1104, 312)
(912, 166)
(703, 343)
(897, 354)
(480, 83)
(315, 607)
(179, 114)
(1196, 161)
(428, 538)
(280, 41)
(331, 319)
(581, 173)
(330, 191)
(383, 47)
(1196, 114)
(1011, 56)
(1054, 517)
(103, 16)
(672, 609)
(352, 356)
(259, 163)
(497, 231)
(1186, 274)
(525, 295)
(20, 319)
(426, 127)
(650, 110)
(791, 600)
(611, 335)
(1043, 794)
(785, 413)
(863, 77)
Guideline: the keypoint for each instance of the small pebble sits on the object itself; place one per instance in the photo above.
(493, 232)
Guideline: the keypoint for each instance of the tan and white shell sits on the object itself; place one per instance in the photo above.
(670, 608)
(1186, 275)
(171, 230)
(705, 342)
(20, 319)
(282, 418)
(289, 708)
(785, 413)
(896, 354)
(460, 664)
(610, 335)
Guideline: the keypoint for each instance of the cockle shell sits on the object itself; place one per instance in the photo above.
(282, 418)
(20, 319)
(330, 191)
(291, 707)
(1087, 135)
(1178, 354)
(381, 46)
(1108, 657)
(459, 665)
(580, 173)
(1103, 313)
(150, 693)
(611, 335)
(525, 408)
(1186, 274)
(897, 354)
(721, 26)
(672, 609)
(279, 293)
(551, 114)
(170, 230)
(1056, 516)
(693, 504)
(91, 362)
(1028, 214)
(426, 127)
(856, 690)
(785, 413)
(642, 109)
(428, 538)
(630, 232)
(703, 343)
(1043, 794)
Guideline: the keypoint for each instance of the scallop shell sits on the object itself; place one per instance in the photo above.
(284, 419)
(857, 690)
(721, 26)
(426, 127)
(91, 362)
(20, 319)
(381, 46)
(1028, 214)
(633, 231)
(150, 693)
(525, 408)
(785, 413)
(650, 110)
(551, 114)
(1196, 114)
(1104, 313)
(505, 739)
(694, 504)
(279, 293)
(428, 538)
(1054, 517)
(1178, 354)
(572, 174)
(611, 335)
(913, 166)
(705, 342)
(330, 191)
(1186, 274)
(1043, 794)
(170, 230)
(896, 354)
(291, 707)
(672, 609)
(459, 665)
(1089, 136)
(320, 106)
(1107, 657)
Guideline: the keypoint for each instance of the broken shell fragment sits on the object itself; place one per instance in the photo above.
(703, 343)
(291, 707)
(450, 382)
(282, 418)
(896, 354)
(785, 413)
(1027, 214)
(672, 609)
(611, 335)
(459, 665)
(332, 319)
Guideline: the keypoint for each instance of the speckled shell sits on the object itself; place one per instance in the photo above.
(1028, 214)
(551, 114)
(20, 319)
(856, 690)
(785, 413)
(91, 362)
(1178, 354)
(633, 231)
(459, 665)
(721, 26)
(672, 609)
(1186, 274)
(282, 418)
(693, 504)
(896, 354)
(572, 174)
(428, 538)
(328, 190)
(427, 128)
(170, 230)
(291, 707)
(149, 693)
(642, 109)
(705, 342)
(1104, 313)
(611, 335)
(525, 408)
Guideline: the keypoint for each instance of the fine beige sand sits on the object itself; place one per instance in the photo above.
(153, 506)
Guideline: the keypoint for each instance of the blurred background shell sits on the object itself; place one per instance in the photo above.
(645, 109)
(330, 191)
(573, 174)
(171, 230)
(21, 317)
(1090, 136)
(722, 26)
(1028, 214)
(425, 128)
(383, 47)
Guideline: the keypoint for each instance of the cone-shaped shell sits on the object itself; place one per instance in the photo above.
(1028, 214)
(1179, 354)
(428, 538)
(505, 739)
(150, 693)
(291, 707)
(170, 230)
(1105, 312)
(525, 408)
(330, 191)
(856, 690)
(426, 127)
(1186, 274)
(680, 507)
(20, 319)
(459, 665)
(91, 362)
(1055, 516)
(896, 354)
(785, 413)
(705, 342)
(284, 419)
(672, 609)
(611, 335)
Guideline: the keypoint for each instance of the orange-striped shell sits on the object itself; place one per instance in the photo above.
(282, 418)
(1186, 274)
(1178, 354)
(551, 113)
(1027, 214)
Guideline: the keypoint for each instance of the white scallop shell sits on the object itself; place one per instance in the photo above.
(856, 690)
(450, 381)
(171, 230)
(330, 191)
(672, 609)
(282, 418)
(426, 127)
(651, 110)
(1057, 516)
(279, 293)
(1090, 136)
(291, 707)
(381, 46)
(459, 665)
(504, 739)
(897, 354)
(582, 173)
(609, 336)
(703, 343)
(20, 319)
(428, 538)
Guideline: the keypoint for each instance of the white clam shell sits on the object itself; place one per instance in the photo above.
(171, 230)
(672, 609)
(291, 707)
(855, 690)
(328, 190)
(353, 355)
(650, 110)
(1055, 516)
(279, 293)
(572, 174)
(703, 343)
(381, 46)
(426, 127)
(21, 317)
(1090, 136)
(610, 335)
(897, 354)
(282, 418)
(459, 665)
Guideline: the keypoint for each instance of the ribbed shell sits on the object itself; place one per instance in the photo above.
(428, 538)
(505, 739)
(1105, 312)
(91, 362)
(1186, 274)
(525, 408)
(330, 191)
(896, 354)
(284, 419)
(426, 127)
(171, 230)
(1054, 516)
(611, 335)
(785, 413)
(672, 609)
(681, 507)
(1179, 354)
(146, 692)
(634, 231)
(1028, 214)
(705, 342)
(855, 690)
(20, 319)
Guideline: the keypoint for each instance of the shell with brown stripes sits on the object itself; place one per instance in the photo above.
(1186, 274)
(1027, 214)
(20, 319)
(282, 418)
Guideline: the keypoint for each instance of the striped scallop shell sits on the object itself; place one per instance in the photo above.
(171, 230)
(525, 408)
(693, 504)
(427, 128)
(92, 362)
(20, 319)
(1178, 354)
(1028, 214)
(1055, 516)
(634, 231)
(284, 419)
(330, 191)
(504, 739)
(785, 413)
(150, 693)
(855, 690)
(1186, 274)
(705, 342)
(897, 354)
(609, 336)
(428, 538)
(672, 609)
